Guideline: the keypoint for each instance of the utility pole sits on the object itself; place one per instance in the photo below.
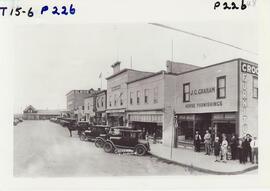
(173, 122)
(131, 62)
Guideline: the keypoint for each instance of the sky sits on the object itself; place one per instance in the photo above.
(50, 59)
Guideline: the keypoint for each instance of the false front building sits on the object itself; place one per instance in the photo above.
(222, 98)
(151, 101)
(117, 98)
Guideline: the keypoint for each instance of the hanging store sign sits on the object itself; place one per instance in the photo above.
(244, 104)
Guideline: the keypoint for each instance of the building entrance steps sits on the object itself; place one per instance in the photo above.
(199, 161)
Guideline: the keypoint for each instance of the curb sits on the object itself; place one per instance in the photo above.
(206, 170)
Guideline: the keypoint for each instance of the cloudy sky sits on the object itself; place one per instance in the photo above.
(51, 59)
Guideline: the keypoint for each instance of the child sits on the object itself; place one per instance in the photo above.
(216, 148)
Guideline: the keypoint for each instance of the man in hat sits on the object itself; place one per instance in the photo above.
(207, 142)
(254, 149)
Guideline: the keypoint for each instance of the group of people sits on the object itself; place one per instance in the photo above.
(244, 149)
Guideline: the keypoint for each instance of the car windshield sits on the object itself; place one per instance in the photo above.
(133, 135)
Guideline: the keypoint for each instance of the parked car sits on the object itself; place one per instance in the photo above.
(126, 138)
(93, 132)
(81, 126)
(100, 140)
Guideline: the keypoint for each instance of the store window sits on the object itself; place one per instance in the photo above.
(186, 92)
(131, 98)
(97, 102)
(138, 97)
(146, 94)
(255, 87)
(221, 87)
(156, 95)
(115, 100)
(110, 101)
(102, 101)
(121, 98)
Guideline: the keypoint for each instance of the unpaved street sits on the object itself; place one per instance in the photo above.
(43, 148)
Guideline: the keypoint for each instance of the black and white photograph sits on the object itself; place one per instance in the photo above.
(108, 96)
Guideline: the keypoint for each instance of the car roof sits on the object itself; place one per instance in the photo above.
(131, 130)
(126, 129)
(67, 119)
(121, 127)
(101, 126)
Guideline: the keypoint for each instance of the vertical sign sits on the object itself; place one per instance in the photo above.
(244, 104)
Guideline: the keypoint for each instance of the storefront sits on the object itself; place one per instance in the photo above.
(100, 118)
(216, 123)
(116, 117)
(150, 124)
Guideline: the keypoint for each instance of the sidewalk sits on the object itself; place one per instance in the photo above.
(200, 161)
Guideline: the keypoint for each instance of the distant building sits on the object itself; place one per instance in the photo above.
(89, 108)
(95, 107)
(101, 106)
(75, 101)
(30, 113)
(117, 93)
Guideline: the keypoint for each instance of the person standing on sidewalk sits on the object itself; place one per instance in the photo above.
(254, 150)
(224, 149)
(216, 148)
(233, 145)
(240, 151)
(207, 142)
(249, 153)
(245, 145)
(197, 141)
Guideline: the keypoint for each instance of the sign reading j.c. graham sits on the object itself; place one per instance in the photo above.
(202, 91)
(249, 68)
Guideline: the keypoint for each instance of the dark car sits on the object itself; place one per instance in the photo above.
(100, 140)
(82, 126)
(126, 138)
(94, 131)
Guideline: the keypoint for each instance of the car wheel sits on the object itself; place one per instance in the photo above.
(99, 143)
(140, 150)
(108, 148)
(82, 137)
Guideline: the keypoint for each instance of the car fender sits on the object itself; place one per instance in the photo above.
(100, 138)
(142, 145)
(109, 141)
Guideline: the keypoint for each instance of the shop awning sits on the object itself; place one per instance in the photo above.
(116, 111)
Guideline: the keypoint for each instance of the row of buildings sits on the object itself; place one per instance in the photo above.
(173, 104)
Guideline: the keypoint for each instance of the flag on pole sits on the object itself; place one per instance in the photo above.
(100, 75)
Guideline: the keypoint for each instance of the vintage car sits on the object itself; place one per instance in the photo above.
(100, 140)
(127, 139)
(93, 132)
(81, 126)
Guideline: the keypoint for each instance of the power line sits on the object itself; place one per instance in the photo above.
(201, 36)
